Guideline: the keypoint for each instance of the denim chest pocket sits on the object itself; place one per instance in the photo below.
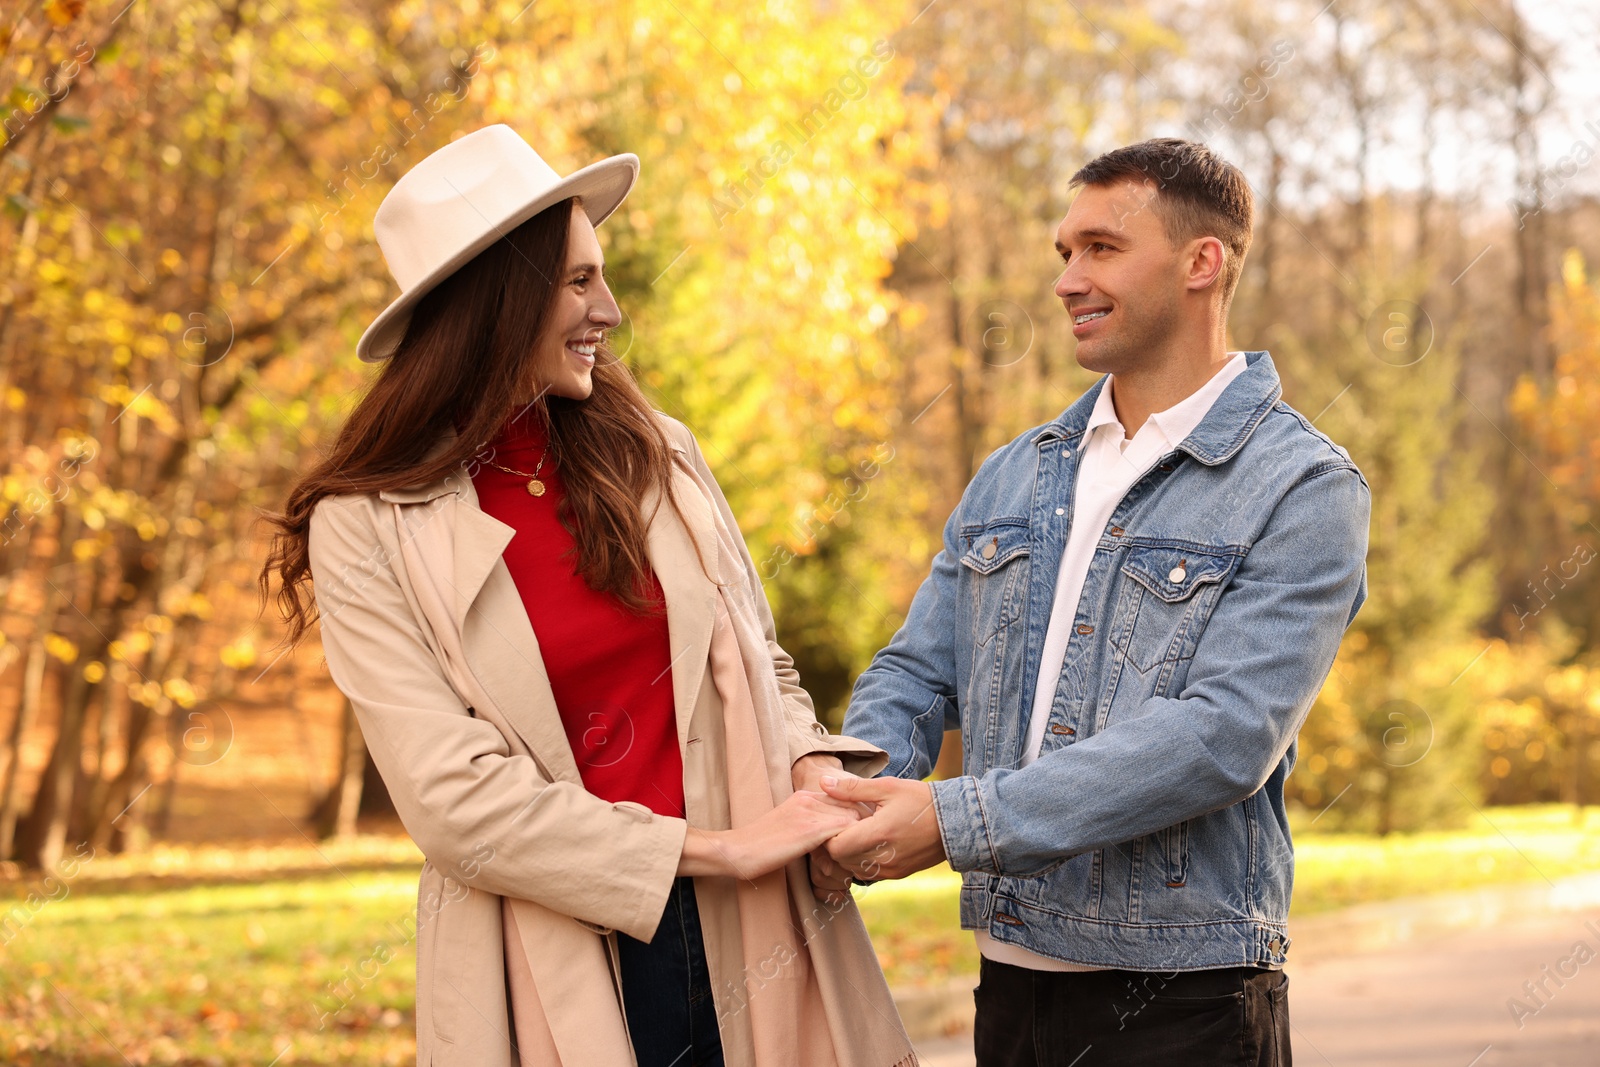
(1172, 588)
(992, 555)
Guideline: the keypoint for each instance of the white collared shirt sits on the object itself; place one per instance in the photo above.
(1110, 464)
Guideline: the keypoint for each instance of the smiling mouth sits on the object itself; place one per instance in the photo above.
(583, 350)
(1088, 316)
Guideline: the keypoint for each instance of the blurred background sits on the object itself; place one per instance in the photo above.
(837, 270)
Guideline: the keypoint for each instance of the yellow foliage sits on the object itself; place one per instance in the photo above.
(60, 647)
(238, 655)
(1562, 420)
(180, 692)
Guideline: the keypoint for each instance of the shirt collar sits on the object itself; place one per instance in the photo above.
(1178, 421)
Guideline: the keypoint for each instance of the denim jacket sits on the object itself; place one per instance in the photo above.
(1150, 834)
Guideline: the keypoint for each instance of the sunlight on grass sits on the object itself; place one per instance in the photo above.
(320, 968)
(914, 922)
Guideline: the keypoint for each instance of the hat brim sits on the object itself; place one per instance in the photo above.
(603, 186)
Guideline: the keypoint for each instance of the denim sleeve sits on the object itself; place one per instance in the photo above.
(1257, 668)
(905, 700)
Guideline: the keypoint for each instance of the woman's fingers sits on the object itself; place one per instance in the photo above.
(828, 880)
(823, 817)
(803, 822)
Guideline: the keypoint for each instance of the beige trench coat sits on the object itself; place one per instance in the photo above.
(424, 630)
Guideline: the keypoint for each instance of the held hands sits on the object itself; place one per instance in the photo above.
(866, 828)
(801, 823)
(900, 837)
(899, 834)
(829, 880)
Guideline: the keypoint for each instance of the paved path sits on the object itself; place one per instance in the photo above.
(1453, 1001)
(1439, 1001)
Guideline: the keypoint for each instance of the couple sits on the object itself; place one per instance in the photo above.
(640, 843)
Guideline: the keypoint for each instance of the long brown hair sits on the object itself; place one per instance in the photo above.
(464, 362)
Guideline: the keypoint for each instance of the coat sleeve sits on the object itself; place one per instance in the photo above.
(482, 815)
(806, 734)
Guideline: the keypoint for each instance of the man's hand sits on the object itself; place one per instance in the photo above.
(829, 881)
(900, 837)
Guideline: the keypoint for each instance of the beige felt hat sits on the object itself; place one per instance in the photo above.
(460, 200)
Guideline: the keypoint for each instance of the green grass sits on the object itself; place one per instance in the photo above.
(914, 922)
(212, 956)
(216, 974)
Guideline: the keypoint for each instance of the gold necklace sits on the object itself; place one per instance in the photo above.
(535, 486)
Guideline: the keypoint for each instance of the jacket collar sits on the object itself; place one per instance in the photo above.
(470, 546)
(1225, 428)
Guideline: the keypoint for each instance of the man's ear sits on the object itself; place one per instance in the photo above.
(1207, 258)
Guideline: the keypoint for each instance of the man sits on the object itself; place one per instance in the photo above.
(1135, 606)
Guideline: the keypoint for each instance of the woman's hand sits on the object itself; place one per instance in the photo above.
(800, 824)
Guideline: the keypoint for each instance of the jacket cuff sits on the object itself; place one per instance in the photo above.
(958, 807)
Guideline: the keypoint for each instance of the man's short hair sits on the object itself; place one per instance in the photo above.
(1198, 194)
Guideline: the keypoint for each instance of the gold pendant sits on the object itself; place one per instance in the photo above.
(535, 487)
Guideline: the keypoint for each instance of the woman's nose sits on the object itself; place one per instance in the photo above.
(606, 313)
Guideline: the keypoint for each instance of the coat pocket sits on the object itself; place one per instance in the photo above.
(1174, 850)
(993, 559)
(1171, 589)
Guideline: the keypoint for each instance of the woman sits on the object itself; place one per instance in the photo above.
(532, 591)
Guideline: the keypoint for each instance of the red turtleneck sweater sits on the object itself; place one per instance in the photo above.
(610, 669)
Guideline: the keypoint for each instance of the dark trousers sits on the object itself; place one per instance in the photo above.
(666, 989)
(1231, 1017)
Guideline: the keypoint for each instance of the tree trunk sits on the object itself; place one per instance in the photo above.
(43, 835)
(27, 714)
(334, 814)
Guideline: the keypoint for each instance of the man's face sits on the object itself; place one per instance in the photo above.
(1124, 282)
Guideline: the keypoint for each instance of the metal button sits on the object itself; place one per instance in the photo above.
(1061, 511)
(1085, 628)
(1066, 452)
(989, 549)
(1117, 531)
(1177, 574)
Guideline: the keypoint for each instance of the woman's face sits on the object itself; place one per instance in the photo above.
(581, 312)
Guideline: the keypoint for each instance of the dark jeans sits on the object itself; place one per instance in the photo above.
(1231, 1017)
(666, 989)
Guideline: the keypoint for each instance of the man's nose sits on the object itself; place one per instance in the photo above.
(1071, 283)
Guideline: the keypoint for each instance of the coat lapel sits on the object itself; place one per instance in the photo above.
(460, 547)
(691, 596)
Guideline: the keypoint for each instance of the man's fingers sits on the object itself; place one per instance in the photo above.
(854, 789)
(852, 846)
